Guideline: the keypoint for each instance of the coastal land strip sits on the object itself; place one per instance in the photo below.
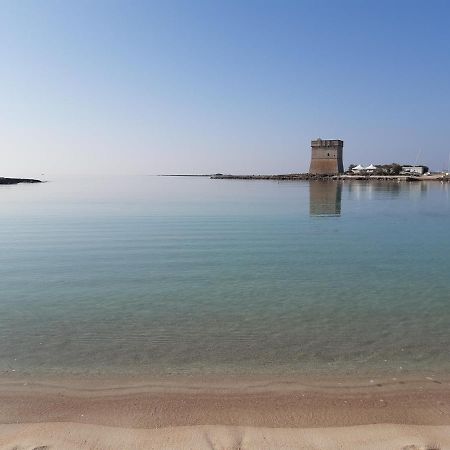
(316, 177)
(4, 180)
(201, 413)
(343, 177)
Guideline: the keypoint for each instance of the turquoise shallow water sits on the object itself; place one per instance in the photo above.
(152, 275)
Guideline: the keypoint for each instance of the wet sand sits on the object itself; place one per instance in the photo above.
(224, 413)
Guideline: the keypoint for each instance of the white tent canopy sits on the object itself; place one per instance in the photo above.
(358, 167)
(371, 167)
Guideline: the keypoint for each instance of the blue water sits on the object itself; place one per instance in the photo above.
(152, 275)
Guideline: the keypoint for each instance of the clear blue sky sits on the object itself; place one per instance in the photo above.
(230, 86)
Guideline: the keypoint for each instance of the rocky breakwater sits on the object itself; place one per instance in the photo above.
(287, 177)
(4, 180)
(314, 177)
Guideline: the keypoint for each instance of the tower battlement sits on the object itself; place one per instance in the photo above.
(326, 157)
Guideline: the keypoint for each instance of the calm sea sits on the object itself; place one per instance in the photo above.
(152, 275)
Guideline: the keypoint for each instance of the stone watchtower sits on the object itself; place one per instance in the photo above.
(326, 157)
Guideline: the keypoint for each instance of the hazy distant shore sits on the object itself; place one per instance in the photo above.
(4, 180)
(184, 175)
(314, 177)
(239, 413)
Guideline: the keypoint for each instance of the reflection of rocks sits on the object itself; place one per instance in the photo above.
(325, 198)
(391, 189)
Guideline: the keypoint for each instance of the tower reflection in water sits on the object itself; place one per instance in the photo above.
(325, 198)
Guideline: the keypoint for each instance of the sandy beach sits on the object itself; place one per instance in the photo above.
(194, 413)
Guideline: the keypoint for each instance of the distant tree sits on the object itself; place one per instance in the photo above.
(350, 167)
(396, 169)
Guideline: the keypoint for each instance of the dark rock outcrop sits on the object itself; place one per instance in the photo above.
(18, 180)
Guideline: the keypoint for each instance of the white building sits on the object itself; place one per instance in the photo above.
(414, 170)
(358, 169)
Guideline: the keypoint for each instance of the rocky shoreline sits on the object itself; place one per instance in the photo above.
(310, 177)
(4, 180)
